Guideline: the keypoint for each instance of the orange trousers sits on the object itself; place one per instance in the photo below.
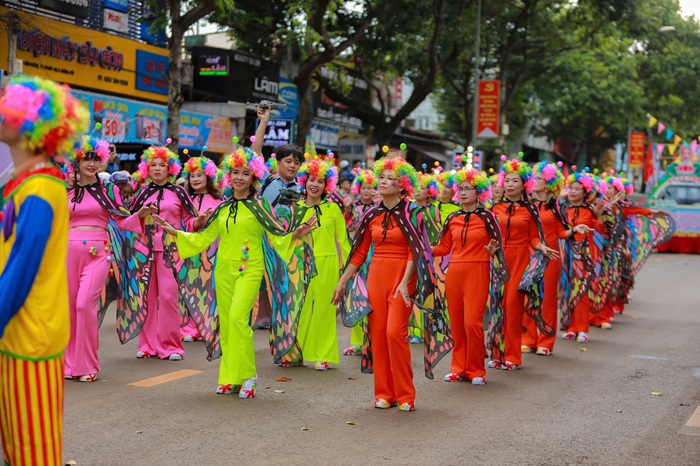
(388, 330)
(603, 316)
(467, 291)
(514, 303)
(550, 305)
(579, 316)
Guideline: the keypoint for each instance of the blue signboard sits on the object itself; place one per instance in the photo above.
(288, 94)
(152, 37)
(150, 72)
(119, 5)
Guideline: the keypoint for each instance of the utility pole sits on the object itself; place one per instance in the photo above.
(477, 57)
(12, 20)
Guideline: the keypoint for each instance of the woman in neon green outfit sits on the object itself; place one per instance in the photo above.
(317, 337)
(241, 222)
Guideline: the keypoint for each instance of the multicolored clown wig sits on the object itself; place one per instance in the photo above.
(164, 154)
(585, 180)
(478, 180)
(403, 171)
(48, 118)
(522, 169)
(615, 182)
(431, 184)
(553, 178)
(89, 146)
(136, 180)
(320, 170)
(247, 159)
(629, 187)
(362, 177)
(448, 177)
(203, 164)
(271, 163)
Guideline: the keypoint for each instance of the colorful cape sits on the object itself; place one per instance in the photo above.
(408, 217)
(499, 275)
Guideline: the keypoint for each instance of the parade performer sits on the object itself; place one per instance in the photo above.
(271, 165)
(317, 335)
(91, 206)
(548, 185)
(160, 335)
(364, 186)
(522, 231)
(589, 249)
(400, 267)
(446, 204)
(241, 223)
(201, 174)
(472, 237)
(496, 191)
(427, 197)
(40, 119)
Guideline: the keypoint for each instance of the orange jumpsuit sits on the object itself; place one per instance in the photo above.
(519, 235)
(577, 216)
(467, 291)
(608, 311)
(388, 321)
(553, 232)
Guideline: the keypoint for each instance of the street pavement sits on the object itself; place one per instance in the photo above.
(624, 398)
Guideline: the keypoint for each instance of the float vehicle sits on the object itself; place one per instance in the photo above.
(678, 192)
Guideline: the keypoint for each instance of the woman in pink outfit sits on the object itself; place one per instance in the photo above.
(201, 175)
(160, 335)
(91, 206)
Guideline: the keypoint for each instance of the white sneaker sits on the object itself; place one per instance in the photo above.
(569, 336)
(352, 350)
(175, 357)
(582, 337)
(478, 381)
(188, 339)
(606, 325)
(454, 377)
(248, 388)
(321, 366)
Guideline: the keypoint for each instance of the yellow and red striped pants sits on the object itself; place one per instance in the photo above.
(31, 411)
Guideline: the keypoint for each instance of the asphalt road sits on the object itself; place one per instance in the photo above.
(592, 407)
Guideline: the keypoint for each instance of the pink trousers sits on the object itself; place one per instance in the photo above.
(160, 336)
(87, 275)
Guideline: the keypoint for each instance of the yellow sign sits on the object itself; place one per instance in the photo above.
(82, 57)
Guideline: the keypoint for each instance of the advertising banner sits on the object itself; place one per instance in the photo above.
(288, 95)
(636, 151)
(489, 109)
(150, 72)
(119, 5)
(198, 130)
(278, 132)
(80, 8)
(116, 21)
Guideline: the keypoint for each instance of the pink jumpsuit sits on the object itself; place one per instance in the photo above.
(87, 275)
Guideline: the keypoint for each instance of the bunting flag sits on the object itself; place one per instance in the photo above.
(310, 147)
(652, 121)
(677, 139)
(669, 134)
(672, 149)
(660, 128)
(660, 148)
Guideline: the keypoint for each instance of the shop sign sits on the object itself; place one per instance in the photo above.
(198, 130)
(119, 5)
(116, 21)
(150, 72)
(278, 132)
(80, 8)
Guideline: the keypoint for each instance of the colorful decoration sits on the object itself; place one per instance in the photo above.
(553, 177)
(246, 159)
(522, 169)
(320, 170)
(478, 180)
(362, 177)
(89, 145)
(162, 153)
(401, 170)
(431, 183)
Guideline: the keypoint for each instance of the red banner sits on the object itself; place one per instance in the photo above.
(636, 151)
(489, 109)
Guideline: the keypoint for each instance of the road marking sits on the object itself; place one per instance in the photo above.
(694, 420)
(169, 377)
(696, 372)
(647, 356)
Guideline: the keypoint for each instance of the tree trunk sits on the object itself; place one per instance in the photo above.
(305, 115)
(174, 78)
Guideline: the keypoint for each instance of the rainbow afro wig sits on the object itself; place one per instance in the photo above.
(89, 145)
(478, 180)
(164, 154)
(448, 177)
(321, 170)
(247, 159)
(271, 163)
(522, 169)
(585, 180)
(629, 187)
(362, 177)
(553, 178)
(615, 182)
(136, 180)
(48, 118)
(431, 184)
(203, 164)
(403, 171)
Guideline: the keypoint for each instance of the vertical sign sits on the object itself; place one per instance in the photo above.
(489, 109)
(636, 152)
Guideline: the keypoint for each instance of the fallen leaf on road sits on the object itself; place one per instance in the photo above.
(279, 391)
(656, 393)
(139, 432)
(71, 463)
(304, 428)
(582, 349)
(268, 387)
(283, 379)
(352, 378)
(350, 423)
(618, 411)
(683, 404)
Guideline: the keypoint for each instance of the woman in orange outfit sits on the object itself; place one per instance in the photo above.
(549, 182)
(395, 228)
(522, 231)
(582, 188)
(471, 236)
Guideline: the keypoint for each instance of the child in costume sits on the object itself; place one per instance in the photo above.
(317, 335)
(472, 237)
(548, 185)
(160, 335)
(400, 267)
(201, 175)
(522, 231)
(40, 119)
(364, 186)
(241, 223)
(91, 206)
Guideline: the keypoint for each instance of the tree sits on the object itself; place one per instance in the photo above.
(178, 16)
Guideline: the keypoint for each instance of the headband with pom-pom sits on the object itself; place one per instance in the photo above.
(585, 180)
(478, 180)
(522, 169)
(404, 172)
(159, 153)
(246, 159)
(47, 117)
(203, 164)
(553, 178)
(321, 170)
(362, 177)
(431, 184)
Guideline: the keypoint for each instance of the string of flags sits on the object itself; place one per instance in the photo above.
(673, 139)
